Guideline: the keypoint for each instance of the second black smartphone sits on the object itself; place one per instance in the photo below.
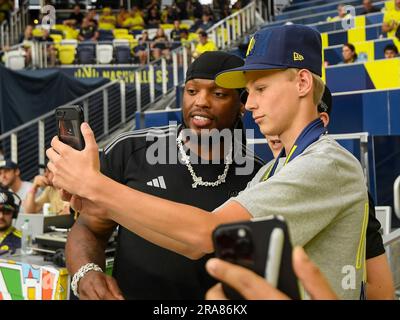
(69, 120)
(261, 245)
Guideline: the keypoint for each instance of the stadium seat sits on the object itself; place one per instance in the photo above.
(15, 59)
(86, 53)
(119, 31)
(120, 42)
(106, 35)
(123, 54)
(66, 53)
(104, 53)
(72, 42)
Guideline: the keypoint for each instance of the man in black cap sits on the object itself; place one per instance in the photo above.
(10, 238)
(10, 178)
(143, 270)
(319, 189)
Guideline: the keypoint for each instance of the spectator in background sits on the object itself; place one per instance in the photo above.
(159, 46)
(391, 21)
(50, 194)
(368, 7)
(182, 11)
(10, 178)
(88, 32)
(122, 16)
(10, 238)
(349, 53)
(170, 14)
(75, 18)
(93, 18)
(175, 34)
(391, 51)
(107, 20)
(51, 50)
(153, 19)
(135, 20)
(204, 45)
(26, 41)
(206, 22)
(140, 51)
(341, 14)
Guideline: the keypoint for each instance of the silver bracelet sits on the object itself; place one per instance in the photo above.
(80, 274)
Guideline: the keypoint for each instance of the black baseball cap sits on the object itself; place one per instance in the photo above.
(7, 201)
(210, 63)
(326, 102)
(282, 47)
(8, 164)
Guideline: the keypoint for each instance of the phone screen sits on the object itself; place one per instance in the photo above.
(69, 120)
(69, 133)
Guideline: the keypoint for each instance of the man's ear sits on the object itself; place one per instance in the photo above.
(242, 109)
(17, 172)
(304, 82)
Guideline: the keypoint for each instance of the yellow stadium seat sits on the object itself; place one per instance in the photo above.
(60, 27)
(166, 26)
(185, 26)
(119, 31)
(356, 35)
(132, 41)
(66, 54)
(71, 33)
(366, 47)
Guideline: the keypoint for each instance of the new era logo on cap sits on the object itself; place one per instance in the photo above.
(297, 57)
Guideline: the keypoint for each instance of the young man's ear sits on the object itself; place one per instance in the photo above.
(305, 82)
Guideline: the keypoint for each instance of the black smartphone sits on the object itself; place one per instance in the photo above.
(69, 120)
(262, 245)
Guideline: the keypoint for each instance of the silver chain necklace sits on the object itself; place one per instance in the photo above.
(198, 181)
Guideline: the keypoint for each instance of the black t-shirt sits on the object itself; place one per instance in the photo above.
(144, 270)
(78, 17)
(88, 32)
(374, 238)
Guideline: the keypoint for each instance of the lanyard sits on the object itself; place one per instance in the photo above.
(309, 135)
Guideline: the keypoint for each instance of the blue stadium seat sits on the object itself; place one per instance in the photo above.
(106, 35)
(123, 54)
(86, 53)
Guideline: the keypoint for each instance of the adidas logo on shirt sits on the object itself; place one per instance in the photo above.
(157, 182)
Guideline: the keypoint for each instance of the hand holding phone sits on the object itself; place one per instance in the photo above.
(69, 120)
(262, 245)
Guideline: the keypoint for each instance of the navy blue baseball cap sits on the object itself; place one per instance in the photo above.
(8, 164)
(282, 47)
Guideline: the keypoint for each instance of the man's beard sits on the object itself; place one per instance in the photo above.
(2, 229)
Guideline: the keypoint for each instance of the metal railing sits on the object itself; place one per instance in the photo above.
(11, 30)
(391, 242)
(230, 30)
(104, 107)
(396, 196)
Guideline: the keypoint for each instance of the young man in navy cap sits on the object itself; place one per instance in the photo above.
(143, 270)
(319, 189)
